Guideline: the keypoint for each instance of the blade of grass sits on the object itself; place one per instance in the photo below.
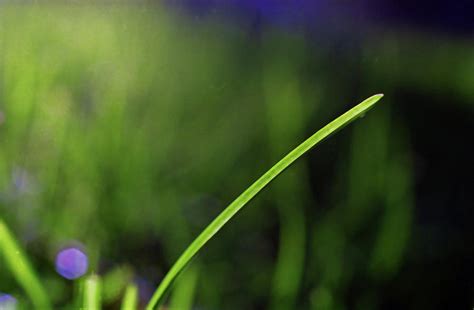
(77, 301)
(253, 190)
(286, 117)
(19, 265)
(130, 300)
(92, 295)
(184, 290)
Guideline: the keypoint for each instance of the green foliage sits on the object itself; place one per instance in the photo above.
(19, 265)
(253, 190)
(185, 289)
(130, 299)
(92, 293)
(125, 129)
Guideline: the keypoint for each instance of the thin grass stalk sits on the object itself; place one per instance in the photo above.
(18, 263)
(253, 190)
(130, 299)
(92, 293)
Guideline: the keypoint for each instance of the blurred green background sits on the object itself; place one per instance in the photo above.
(127, 129)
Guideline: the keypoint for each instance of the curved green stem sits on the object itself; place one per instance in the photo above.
(253, 190)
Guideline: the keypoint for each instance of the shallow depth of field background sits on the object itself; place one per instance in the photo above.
(125, 129)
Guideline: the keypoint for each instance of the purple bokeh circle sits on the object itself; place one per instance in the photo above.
(7, 302)
(71, 263)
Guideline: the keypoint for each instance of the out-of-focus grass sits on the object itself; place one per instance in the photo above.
(130, 298)
(19, 265)
(375, 189)
(92, 293)
(286, 117)
(185, 289)
(247, 195)
(95, 102)
(115, 282)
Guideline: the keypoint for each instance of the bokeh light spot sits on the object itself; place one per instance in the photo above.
(7, 302)
(71, 263)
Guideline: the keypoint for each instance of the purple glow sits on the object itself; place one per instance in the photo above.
(21, 181)
(145, 289)
(7, 302)
(71, 263)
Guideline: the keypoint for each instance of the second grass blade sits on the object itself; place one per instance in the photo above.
(21, 269)
(253, 190)
(92, 293)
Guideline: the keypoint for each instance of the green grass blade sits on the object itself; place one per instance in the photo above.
(184, 290)
(92, 294)
(130, 300)
(19, 265)
(253, 190)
